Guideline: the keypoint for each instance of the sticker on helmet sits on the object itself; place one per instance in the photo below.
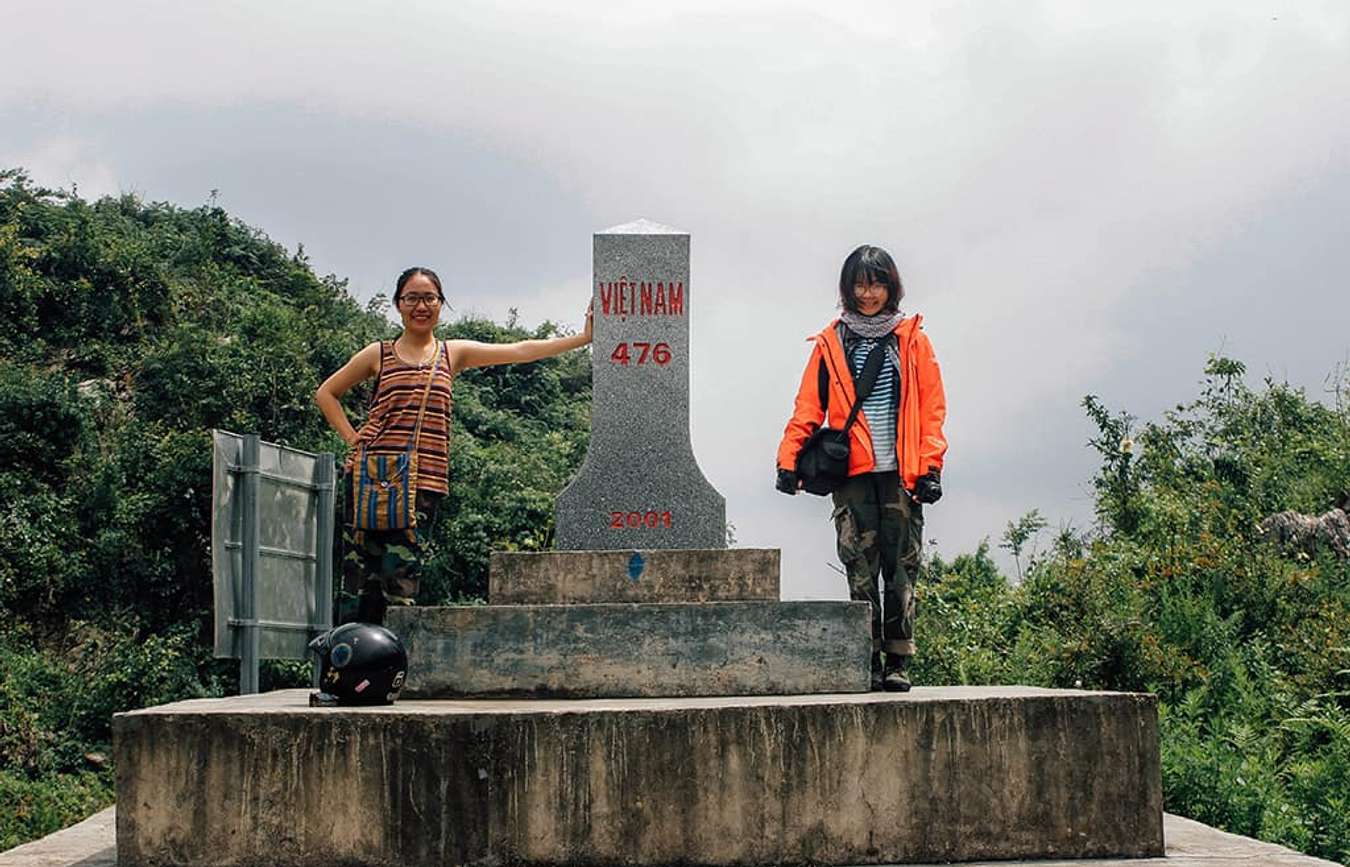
(340, 655)
(398, 682)
(331, 676)
(361, 686)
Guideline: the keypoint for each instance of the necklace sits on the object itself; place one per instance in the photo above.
(426, 356)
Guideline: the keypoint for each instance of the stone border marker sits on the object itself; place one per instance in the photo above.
(640, 486)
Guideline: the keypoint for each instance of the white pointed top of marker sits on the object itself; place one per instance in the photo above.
(642, 226)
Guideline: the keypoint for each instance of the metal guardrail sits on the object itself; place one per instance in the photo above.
(272, 532)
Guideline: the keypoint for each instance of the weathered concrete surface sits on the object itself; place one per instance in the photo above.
(939, 774)
(93, 843)
(655, 649)
(90, 843)
(1201, 845)
(681, 575)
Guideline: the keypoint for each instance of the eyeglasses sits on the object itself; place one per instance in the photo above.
(411, 301)
(866, 288)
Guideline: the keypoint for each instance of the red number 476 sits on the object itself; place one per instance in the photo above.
(658, 353)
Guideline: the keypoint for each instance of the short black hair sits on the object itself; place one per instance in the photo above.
(411, 273)
(869, 264)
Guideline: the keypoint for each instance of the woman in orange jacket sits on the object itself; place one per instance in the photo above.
(896, 448)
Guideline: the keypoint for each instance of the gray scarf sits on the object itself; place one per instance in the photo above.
(871, 326)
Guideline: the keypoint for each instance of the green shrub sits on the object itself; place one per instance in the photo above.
(41, 561)
(35, 808)
(42, 424)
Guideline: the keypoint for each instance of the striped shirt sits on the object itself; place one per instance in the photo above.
(393, 416)
(880, 406)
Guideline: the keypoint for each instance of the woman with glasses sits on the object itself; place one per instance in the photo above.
(382, 566)
(896, 448)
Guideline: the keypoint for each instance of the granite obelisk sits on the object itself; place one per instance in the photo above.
(640, 486)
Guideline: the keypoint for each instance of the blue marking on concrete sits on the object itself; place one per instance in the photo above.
(635, 566)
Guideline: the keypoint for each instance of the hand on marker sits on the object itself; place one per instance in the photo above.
(590, 321)
(787, 482)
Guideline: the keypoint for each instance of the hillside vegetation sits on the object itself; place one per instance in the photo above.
(1178, 591)
(129, 330)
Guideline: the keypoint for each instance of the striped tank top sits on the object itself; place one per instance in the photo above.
(880, 407)
(393, 416)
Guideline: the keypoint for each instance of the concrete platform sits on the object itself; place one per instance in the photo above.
(676, 575)
(93, 843)
(647, 650)
(939, 774)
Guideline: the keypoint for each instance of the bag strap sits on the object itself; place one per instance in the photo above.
(426, 393)
(823, 386)
(868, 379)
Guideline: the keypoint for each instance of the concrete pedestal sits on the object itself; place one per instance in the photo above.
(680, 575)
(651, 649)
(940, 774)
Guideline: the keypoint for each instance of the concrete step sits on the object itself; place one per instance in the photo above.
(676, 575)
(939, 774)
(618, 650)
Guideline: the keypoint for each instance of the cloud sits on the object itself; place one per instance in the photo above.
(1083, 198)
(64, 162)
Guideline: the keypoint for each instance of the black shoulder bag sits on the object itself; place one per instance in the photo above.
(822, 464)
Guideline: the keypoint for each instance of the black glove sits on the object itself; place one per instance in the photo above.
(787, 482)
(928, 489)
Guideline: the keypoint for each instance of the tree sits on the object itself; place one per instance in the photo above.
(1019, 533)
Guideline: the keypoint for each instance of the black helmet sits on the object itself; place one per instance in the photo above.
(361, 663)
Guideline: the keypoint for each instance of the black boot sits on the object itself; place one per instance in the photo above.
(876, 672)
(896, 678)
(344, 608)
(370, 605)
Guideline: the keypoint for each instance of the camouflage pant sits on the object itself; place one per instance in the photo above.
(388, 559)
(880, 533)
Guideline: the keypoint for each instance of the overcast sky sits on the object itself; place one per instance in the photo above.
(1082, 197)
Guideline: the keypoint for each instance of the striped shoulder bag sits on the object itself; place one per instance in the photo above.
(384, 492)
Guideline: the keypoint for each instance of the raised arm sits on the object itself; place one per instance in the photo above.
(471, 353)
(361, 366)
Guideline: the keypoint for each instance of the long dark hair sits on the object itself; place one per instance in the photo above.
(869, 264)
(411, 273)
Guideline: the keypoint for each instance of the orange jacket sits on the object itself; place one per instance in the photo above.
(923, 405)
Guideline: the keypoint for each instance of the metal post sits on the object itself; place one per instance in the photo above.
(324, 475)
(248, 603)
